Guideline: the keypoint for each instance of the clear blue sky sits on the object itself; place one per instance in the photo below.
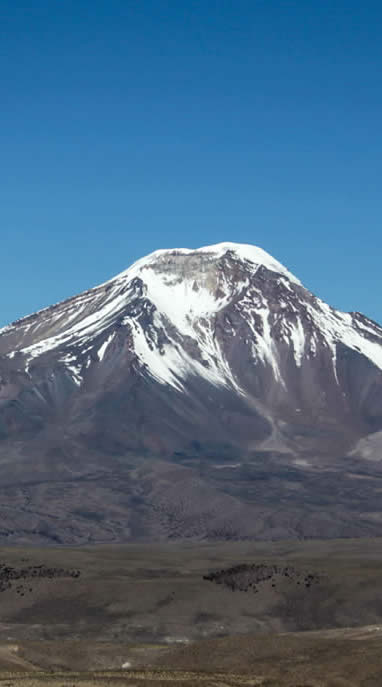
(126, 126)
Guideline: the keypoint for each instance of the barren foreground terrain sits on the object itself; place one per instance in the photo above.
(305, 614)
(341, 658)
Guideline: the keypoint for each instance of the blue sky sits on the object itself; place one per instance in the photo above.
(127, 126)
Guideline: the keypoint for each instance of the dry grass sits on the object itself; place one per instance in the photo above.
(339, 658)
(130, 603)
(151, 594)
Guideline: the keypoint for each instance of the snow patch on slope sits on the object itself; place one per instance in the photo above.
(297, 335)
(338, 327)
(74, 369)
(102, 349)
(172, 365)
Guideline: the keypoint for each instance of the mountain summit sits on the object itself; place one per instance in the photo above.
(193, 375)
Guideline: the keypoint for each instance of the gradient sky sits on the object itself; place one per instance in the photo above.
(127, 126)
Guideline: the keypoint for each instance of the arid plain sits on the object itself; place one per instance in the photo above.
(305, 614)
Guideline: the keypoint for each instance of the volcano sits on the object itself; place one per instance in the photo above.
(199, 394)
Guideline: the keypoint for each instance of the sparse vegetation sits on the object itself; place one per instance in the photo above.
(226, 615)
(248, 578)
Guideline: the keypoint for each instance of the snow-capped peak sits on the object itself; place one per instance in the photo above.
(188, 312)
(244, 252)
